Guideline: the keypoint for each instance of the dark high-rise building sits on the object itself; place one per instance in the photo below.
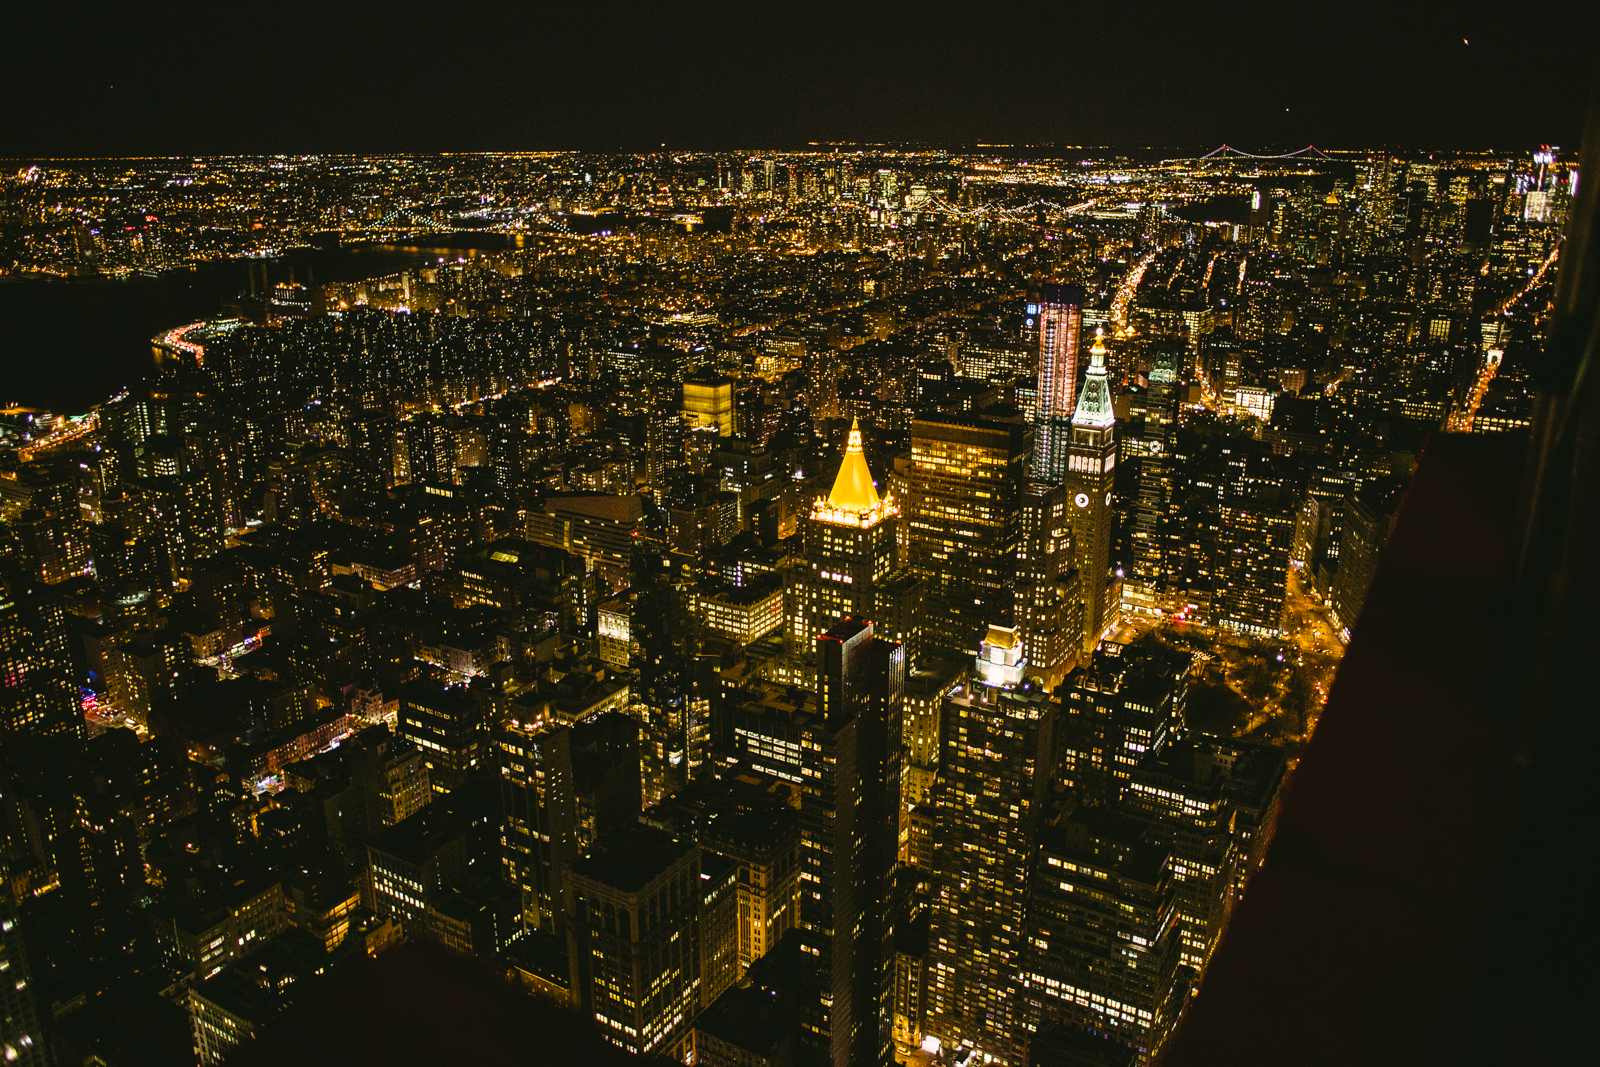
(1091, 471)
(634, 938)
(994, 776)
(766, 846)
(390, 778)
(55, 545)
(1147, 575)
(21, 1039)
(849, 846)
(1213, 802)
(562, 787)
(965, 524)
(1102, 944)
(1369, 515)
(1255, 537)
(38, 694)
(538, 816)
(1120, 705)
(849, 549)
(1060, 323)
(451, 726)
(430, 450)
(1049, 602)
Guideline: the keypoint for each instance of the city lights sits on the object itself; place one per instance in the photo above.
(848, 606)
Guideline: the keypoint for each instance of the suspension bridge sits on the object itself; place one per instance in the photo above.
(500, 219)
(1227, 151)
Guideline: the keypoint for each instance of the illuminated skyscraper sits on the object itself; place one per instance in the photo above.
(1060, 322)
(708, 401)
(766, 846)
(451, 726)
(1148, 573)
(38, 696)
(1091, 470)
(1254, 542)
(1103, 941)
(994, 775)
(965, 523)
(849, 549)
(1117, 706)
(1049, 603)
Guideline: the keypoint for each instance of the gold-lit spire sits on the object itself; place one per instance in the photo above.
(853, 489)
(1097, 351)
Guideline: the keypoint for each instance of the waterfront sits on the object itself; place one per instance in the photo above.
(101, 328)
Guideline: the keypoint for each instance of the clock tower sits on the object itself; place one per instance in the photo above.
(1091, 467)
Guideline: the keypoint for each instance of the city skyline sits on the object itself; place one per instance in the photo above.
(845, 605)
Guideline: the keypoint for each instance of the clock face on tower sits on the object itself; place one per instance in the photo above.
(1108, 498)
(1082, 500)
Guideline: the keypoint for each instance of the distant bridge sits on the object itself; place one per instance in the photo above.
(1227, 151)
(393, 218)
(1027, 214)
(504, 219)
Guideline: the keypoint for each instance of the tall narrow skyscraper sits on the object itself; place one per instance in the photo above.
(965, 520)
(1049, 605)
(1091, 469)
(994, 775)
(849, 848)
(1147, 576)
(1060, 323)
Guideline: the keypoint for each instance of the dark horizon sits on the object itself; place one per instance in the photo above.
(298, 80)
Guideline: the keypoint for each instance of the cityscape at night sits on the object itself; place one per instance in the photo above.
(846, 604)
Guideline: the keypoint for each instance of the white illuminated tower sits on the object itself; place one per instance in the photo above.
(1091, 468)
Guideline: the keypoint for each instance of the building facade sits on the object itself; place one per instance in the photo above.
(1091, 472)
(964, 524)
(1059, 319)
(994, 776)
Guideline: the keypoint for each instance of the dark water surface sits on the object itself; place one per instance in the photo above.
(65, 345)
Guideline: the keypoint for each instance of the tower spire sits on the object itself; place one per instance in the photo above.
(1094, 403)
(853, 489)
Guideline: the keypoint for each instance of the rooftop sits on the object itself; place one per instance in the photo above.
(630, 859)
(854, 498)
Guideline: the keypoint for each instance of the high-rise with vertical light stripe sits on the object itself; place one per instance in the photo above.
(1060, 320)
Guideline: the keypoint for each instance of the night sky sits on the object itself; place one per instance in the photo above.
(293, 77)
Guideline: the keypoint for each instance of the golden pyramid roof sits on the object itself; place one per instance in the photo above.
(853, 489)
(1002, 636)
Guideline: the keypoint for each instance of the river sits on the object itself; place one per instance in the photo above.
(66, 345)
